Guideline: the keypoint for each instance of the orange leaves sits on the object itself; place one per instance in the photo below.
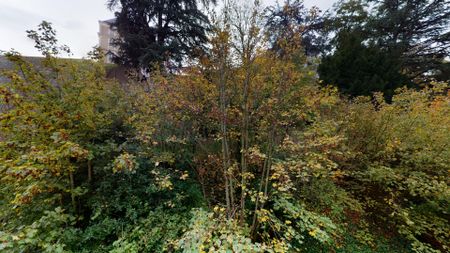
(6, 96)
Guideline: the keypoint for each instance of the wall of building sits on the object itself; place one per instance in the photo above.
(107, 35)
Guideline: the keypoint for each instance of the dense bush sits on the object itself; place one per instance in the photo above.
(241, 152)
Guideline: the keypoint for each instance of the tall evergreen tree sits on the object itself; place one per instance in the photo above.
(417, 30)
(159, 31)
(349, 15)
(358, 69)
(399, 42)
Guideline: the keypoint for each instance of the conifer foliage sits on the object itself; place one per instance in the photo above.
(159, 31)
(411, 37)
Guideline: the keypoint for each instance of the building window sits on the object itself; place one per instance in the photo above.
(109, 58)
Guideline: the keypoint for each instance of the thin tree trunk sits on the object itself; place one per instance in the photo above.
(89, 164)
(72, 189)
(202, 183)
(244, 144)
(264, 178)
(267, 166)
(229, 193)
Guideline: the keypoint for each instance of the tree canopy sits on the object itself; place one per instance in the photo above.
(418, 31)
(159, 31)
(360, 70)
(284, 22)
(412, 37)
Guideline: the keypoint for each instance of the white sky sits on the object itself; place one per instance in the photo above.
(76, 22)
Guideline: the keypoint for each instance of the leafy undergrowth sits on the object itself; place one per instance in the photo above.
(260, 160)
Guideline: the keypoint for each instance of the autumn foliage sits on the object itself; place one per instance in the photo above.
(243, 151)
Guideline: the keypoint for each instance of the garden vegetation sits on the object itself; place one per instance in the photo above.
(243, 150)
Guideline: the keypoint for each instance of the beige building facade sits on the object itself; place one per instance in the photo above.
(107, 35)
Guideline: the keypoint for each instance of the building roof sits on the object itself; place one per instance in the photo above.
(112, 71)
(109, 21)
(5, 64)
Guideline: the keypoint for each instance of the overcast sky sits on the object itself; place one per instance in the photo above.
(76, 22)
